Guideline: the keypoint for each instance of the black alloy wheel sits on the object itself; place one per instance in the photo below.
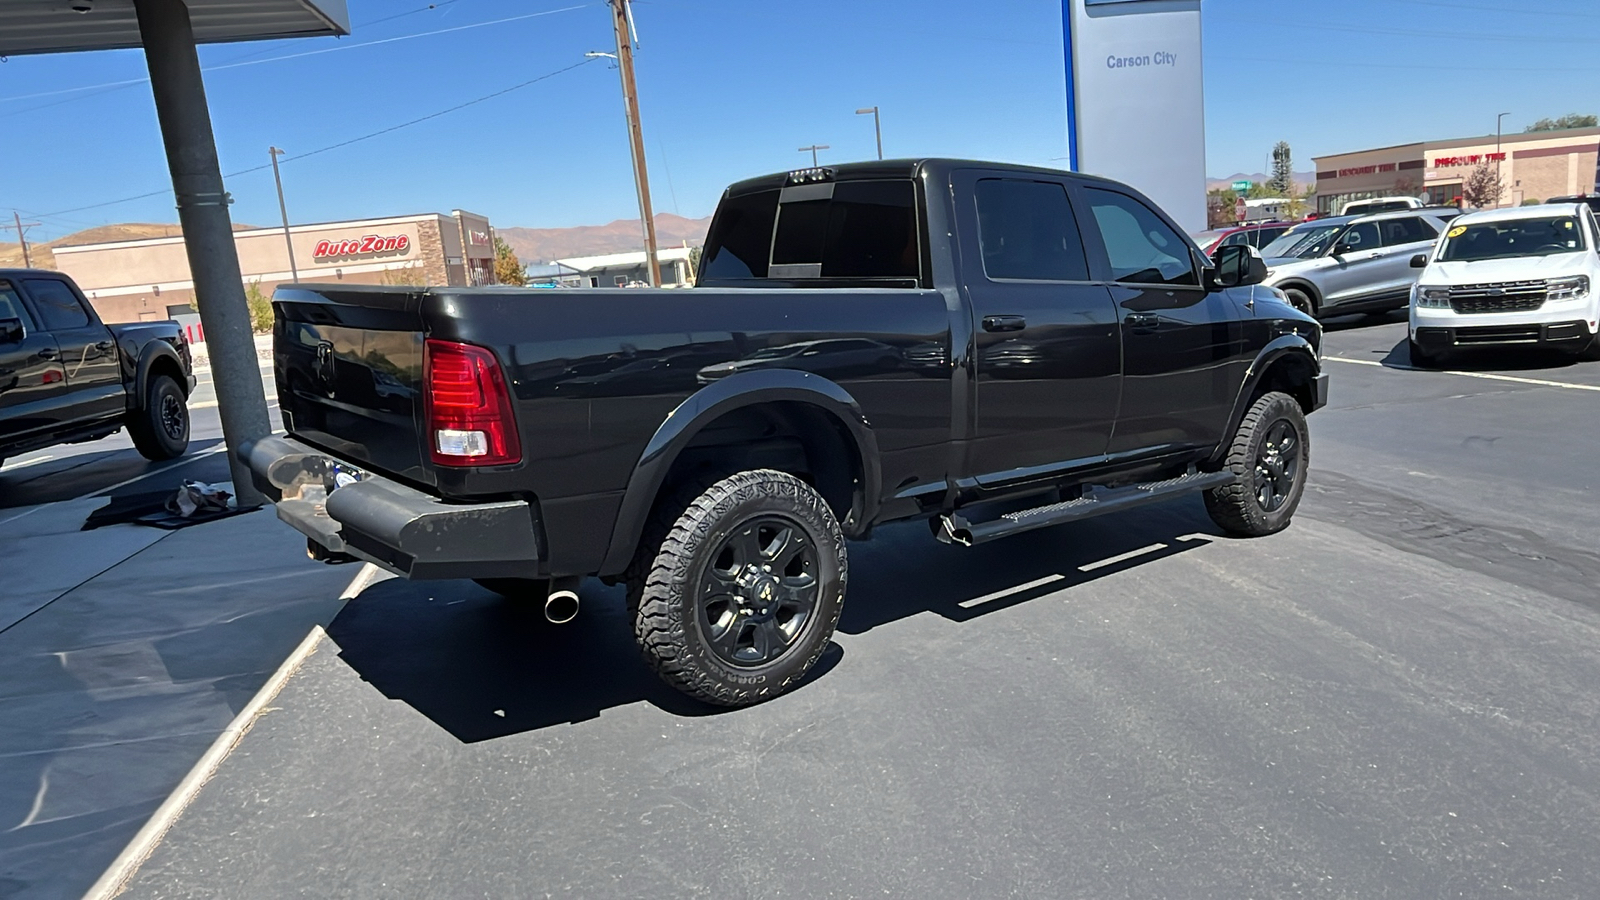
(1269, 458)
(160, 431)
(1277, 466)
(759, 591)
(741, 595)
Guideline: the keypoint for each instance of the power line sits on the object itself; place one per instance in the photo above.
(303, 54)
(344, 143)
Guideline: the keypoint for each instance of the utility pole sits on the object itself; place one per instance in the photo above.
(22, 235)
(814, 148)
(877, 127)
(1498, 120)
(274, 152)
(622, 21)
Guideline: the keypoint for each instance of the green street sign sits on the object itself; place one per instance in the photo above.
(1241, 185)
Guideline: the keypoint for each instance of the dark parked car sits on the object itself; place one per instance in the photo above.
(990, 348)
(65, 377)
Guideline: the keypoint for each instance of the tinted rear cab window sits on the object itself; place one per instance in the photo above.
(866, 230)
(57, 305)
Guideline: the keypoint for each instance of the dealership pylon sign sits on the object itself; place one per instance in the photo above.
(1135, 99)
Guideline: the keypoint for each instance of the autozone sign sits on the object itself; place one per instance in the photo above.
(364, 245)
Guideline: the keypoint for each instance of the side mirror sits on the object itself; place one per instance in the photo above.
(1239, 265)
(11, 331)
(1420, 261)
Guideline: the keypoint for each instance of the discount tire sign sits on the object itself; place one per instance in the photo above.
(366, 245)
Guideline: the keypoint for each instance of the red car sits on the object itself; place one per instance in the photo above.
(1254, 234)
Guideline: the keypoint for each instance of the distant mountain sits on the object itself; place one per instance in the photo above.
(44, 257)
(540, 245)
(1302, 180)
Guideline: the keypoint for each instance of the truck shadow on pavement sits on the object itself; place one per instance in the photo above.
(482, 667)
(81, 474)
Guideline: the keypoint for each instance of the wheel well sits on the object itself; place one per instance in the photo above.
(798, 438)
(1292, 374)
(1304, 287)
(166, 365)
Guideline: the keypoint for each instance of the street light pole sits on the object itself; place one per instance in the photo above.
(294, 273)
(877, 127)
(622, 22)
(814, 148)
(1497, 154)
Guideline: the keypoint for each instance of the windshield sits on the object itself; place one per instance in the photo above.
(1302, 243)
(1514, 238)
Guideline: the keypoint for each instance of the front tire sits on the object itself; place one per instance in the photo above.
(1301, 300)
(745, 590)
(160, 430)
(1269, 458)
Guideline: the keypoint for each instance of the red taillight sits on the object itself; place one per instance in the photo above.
(470, 422)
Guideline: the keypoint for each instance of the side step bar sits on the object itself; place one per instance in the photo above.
(954, 529)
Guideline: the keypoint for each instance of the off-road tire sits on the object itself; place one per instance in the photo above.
(517, 590)
(1237, 506)
(1301, 300)
(160, 430)
(668, 621)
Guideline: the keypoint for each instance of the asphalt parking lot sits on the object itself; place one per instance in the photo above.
(1395, 697)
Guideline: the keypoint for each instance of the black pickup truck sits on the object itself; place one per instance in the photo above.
(988, 347)
(66, 377)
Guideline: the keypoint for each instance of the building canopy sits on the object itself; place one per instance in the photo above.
(57, 26)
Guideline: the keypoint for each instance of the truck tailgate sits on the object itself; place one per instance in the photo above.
(349, 367)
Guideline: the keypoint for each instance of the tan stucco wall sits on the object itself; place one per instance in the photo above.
(1536, 166)
(134, 280)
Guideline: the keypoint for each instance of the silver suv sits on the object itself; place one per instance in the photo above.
(1329, 267)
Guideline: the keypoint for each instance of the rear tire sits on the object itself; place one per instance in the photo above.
(744, 592)
(1269, 458)
(160, 430)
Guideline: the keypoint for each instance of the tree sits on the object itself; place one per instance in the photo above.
(1406, 186)
(1483, 186)
(507, 269)
(1219, 208)
(1281, 181)
(260, 307)
(1571, 120)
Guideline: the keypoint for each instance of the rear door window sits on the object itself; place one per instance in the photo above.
(1406, 231)
(1027, 231)
(56, 304)
(1361, 237)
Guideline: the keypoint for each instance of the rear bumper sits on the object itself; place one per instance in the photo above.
(404, 530)
(1572, 335)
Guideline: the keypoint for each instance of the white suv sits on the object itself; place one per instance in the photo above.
(1527, 276)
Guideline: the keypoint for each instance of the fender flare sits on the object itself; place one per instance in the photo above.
(153, 351)
(1276, 349)
(709, 403)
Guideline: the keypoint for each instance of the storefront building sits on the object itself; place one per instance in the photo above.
(145, 280)
(1534, 166)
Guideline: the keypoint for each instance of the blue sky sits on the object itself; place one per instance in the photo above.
(730, 88)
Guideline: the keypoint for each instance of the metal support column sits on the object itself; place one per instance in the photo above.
(180, 97)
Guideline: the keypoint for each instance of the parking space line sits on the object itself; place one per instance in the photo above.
(997, 595)
(1121, 557)
(127, 863)
(1489, 376)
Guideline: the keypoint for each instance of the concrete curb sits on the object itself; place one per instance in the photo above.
(127, 863)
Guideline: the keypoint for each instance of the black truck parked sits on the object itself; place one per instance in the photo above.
(65, 377)
(988, 347)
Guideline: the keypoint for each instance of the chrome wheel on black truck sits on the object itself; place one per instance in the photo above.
(1269, 457)
(745, 590)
